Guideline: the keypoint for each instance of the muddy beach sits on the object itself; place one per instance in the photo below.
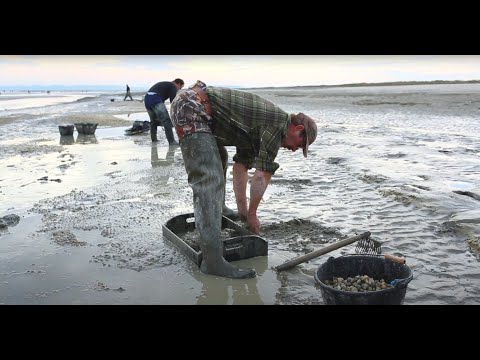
(91, 208)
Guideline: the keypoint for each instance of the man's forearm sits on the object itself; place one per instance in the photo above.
(260, 181)
(240, 178)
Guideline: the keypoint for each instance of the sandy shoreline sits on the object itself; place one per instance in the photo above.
(94, 237)
(111, 237)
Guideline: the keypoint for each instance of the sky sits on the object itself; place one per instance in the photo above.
(142, 71)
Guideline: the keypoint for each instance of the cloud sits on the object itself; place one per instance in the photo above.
(142, 71)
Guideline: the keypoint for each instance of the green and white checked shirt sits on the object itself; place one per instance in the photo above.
(253, 124)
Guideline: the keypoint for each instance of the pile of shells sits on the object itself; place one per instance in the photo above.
(359, 283)
(192, 238)
(66, 237)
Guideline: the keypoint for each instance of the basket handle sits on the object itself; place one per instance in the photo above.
(400, 260)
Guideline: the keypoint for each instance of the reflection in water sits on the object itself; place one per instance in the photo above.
(223, 291)
(67, 140)
(162, 166)
(156, 162)
(86, 139)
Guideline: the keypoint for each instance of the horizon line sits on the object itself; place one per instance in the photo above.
(386, 83)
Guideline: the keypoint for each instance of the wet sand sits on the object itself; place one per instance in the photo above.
(92, 208)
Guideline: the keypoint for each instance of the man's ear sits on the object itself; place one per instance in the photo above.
(299, 127)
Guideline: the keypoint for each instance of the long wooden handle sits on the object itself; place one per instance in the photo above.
(400, 260)
(327, 249)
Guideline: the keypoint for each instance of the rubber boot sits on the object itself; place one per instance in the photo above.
(226, 211)
(167, 125)
(153, 130)
(204, 169)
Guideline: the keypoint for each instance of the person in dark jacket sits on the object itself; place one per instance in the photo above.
(155, 105)
(128, 94)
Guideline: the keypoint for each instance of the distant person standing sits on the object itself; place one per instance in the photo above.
(155, 105)
(128, 94)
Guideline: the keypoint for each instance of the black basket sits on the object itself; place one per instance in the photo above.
(377, 267)
(66, 130)
(244, 246)
(86, 128)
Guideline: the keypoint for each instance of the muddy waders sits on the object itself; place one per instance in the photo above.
(229, 213)
(167, 126)
(204, 168)
(159, 116)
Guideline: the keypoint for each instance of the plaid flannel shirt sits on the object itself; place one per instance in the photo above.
(253, 124)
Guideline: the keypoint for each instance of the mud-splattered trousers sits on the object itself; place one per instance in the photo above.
(158, 114)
